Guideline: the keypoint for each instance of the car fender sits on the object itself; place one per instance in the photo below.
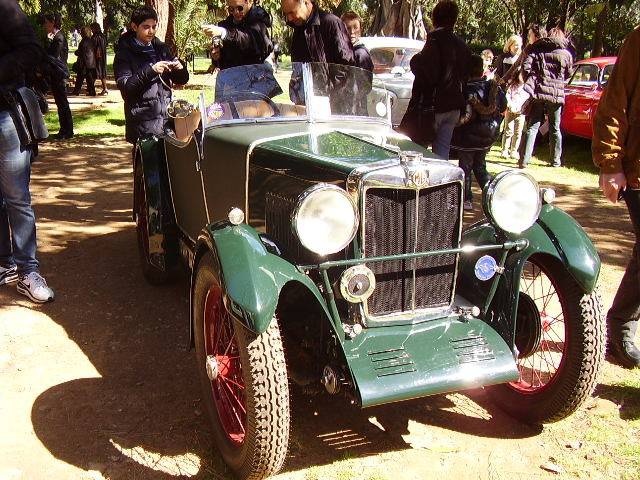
(555, 233)
(150, 152)
(252, 277)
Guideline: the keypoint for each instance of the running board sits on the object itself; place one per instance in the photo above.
(390, 364)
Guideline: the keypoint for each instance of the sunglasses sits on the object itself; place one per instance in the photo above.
(238, 9)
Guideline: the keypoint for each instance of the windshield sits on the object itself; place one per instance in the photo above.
(313, 91)
(385, 58)
(585, 75)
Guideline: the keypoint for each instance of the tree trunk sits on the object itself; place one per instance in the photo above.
(598, 43)
(170, 38)
(398, 18)
(162, 9)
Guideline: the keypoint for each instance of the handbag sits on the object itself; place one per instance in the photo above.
(26, 111)
(418, 122)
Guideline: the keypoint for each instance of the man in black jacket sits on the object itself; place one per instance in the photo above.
(317, 36)
(57, 48)
(440, 70)
(243, 36)
(19, 54)
(145, 70)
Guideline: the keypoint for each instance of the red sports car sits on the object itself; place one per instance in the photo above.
(582, 94)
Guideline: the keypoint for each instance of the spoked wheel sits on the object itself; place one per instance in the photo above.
(560, 338)
(244, 381)
(151, 272)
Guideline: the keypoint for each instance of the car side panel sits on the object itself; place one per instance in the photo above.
(578, 111)
(186, 188)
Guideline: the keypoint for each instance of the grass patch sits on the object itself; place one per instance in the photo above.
(106, 121)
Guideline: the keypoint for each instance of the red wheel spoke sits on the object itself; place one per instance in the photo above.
(234, 396)
(233, 409)
(227, 379)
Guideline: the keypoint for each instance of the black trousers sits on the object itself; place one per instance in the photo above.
(473, 161)
(90, 75)
(622, 319)
(59, 91)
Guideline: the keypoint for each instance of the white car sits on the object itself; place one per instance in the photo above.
(391, 57)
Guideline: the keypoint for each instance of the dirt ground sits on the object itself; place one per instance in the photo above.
(100, 383)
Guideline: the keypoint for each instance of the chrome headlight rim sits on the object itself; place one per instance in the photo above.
(315, 189)
(489, 194)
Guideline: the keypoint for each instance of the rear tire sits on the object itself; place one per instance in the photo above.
(244, 381)
(561, 339)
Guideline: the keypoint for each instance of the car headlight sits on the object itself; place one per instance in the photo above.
(512, 201)
(325, 219)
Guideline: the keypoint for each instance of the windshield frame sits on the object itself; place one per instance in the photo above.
(311, 115)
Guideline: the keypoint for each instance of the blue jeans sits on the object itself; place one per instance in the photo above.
(444, 125)
(473, 162)
(535, 118)
(17, 221)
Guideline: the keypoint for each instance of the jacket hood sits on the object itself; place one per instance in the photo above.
(548, 44)
(127, 42)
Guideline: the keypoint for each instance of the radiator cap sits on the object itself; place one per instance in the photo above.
(410, 157)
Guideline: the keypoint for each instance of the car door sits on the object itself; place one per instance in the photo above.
(581, 99)
(183, 165)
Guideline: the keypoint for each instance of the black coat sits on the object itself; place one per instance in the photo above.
(480, 122)
(58, 47)
(323, 38)
(145, 96)
(362, 57)
(547, 65)
(504, 62)
(86, 55)
(100, 45)
(440, 70)
(247, 42)
(19, 48)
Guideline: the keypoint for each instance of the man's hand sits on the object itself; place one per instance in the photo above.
(161, 66)
(214, 30)
(612, 184)
(176, 64)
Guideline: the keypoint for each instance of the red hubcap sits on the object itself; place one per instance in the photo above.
(224, 367)
(540, 367)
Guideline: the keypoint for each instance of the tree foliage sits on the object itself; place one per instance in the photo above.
(595, 26)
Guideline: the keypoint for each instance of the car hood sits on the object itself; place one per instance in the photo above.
(339, 150)
(401, 85)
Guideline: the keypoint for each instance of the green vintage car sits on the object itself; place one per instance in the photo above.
(324, 248)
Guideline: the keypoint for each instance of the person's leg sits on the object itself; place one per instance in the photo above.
(444, 125)
(6, 256)
(554, 111)
(15, 172)
(64, 112)
(79, 79)
(534, 119)
(480, 167)
(465, 162)
(622, 318)
(519, 122)
(507, 135)
(91, 83)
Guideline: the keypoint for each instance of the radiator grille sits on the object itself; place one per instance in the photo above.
(406, 221)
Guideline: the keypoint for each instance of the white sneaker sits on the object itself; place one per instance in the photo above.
(505, 154)
(468, 205)
(515, 155)
(8, 275)
(34, 286)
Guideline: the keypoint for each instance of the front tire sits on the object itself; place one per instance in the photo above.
(560, 336)
(244, 381)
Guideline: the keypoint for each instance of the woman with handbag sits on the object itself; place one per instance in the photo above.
(86, 64)
(20, 53)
